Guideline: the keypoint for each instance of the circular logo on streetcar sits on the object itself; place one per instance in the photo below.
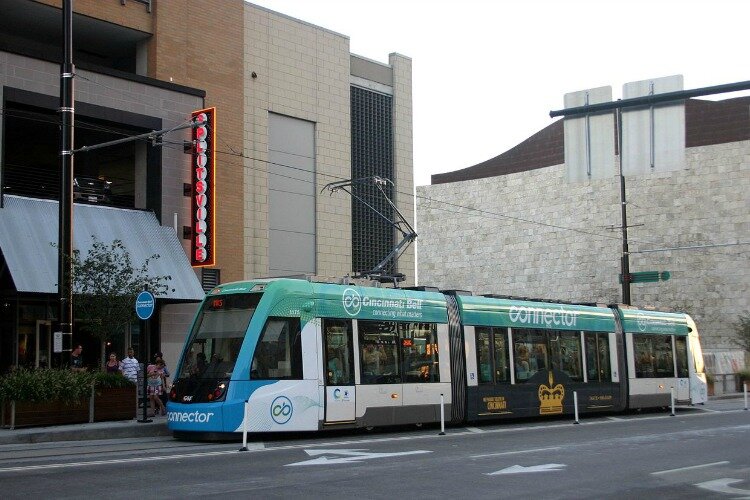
(281, 410)
(352, 301)
(643, 321)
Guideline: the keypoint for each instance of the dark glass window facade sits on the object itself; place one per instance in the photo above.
(372, 154)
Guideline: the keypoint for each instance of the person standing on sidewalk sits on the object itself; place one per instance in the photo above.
(76, 360)
(129, 367)
(165, 392)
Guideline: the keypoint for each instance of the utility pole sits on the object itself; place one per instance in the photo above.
(625, 259)
(632, 103)
(65, 220)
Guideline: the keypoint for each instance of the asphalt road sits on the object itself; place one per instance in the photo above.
(703, 453)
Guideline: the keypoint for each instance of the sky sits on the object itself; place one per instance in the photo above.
(486, 74)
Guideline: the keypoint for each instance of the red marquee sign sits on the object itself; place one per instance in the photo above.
(203, 201)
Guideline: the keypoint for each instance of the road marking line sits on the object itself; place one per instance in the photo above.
(116, 461)
(514, 452)
(475, 430)
(689, 468)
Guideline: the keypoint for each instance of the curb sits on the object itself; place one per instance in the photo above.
(85, 432)
(730, 395)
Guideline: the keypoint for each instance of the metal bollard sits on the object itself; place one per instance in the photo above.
(244, 425)
(575, 405)
(671, 395)
(442, 415)
(745, 391)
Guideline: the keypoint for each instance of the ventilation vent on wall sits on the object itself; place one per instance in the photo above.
(210, 278)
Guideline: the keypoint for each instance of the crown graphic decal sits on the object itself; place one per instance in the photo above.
(551, 398)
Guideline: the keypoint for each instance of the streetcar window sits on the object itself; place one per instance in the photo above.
(339, 352)
(502, 356)
(492, 355)
(419, 350)
(278, 354)
(597, 357)
(217, 336)
(392, 353)
(566, 353)
(529, 353)
(653, 356)
(484, 355)
(378, 342)
(680, 344)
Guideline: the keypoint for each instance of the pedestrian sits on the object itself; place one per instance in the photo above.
(156, 386)
(129, 367)
(165, 393)
(158, 354)
(76, 359)
(112, 366)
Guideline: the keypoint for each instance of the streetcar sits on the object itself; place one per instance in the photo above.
(283, 355)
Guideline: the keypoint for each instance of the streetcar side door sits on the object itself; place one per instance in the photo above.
(338, 370)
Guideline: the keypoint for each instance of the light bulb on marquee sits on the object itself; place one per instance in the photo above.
(203, 242)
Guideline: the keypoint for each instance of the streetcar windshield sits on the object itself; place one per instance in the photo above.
(217, 336)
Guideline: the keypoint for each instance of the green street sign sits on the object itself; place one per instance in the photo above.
(648, 276)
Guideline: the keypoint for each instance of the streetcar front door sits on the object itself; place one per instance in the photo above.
(338, 365)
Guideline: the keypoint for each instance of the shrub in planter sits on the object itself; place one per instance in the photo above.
(45, 397)
(46, 385)
(106, 380)
(710, 383)
(743, 377)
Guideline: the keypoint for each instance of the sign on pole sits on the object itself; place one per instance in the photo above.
(648, 276)
(144, 305)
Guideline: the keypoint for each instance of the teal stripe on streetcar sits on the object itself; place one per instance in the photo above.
(486, 311)
(639, 321)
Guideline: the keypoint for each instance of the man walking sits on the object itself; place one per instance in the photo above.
(129, 367)
(76, 360)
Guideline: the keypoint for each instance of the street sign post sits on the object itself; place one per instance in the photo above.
(144, 305)
(648, 276)
(144, 308)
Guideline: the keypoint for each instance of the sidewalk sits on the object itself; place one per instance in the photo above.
(156, 428)
(81, 432)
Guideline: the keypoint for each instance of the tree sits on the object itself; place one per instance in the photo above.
(742, 332)
(105, 285)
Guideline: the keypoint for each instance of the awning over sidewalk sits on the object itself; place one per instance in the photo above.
(29, 234)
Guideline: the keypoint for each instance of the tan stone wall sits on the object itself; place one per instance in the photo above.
(573, 250)
(301, 71)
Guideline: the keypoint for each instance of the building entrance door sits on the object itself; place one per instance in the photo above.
(43, 344)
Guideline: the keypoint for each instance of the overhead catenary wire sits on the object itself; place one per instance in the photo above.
(485, 213)
(460, 207)
(456, 208)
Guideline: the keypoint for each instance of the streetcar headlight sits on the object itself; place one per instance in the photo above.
(219, 391)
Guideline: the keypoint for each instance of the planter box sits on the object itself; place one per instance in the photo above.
(27, 414)
(109, 404)
(117, 403)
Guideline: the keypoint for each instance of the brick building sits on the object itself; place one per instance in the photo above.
(516, 225)
(295, 111)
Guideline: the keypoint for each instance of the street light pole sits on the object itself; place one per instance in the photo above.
(65, 236)
(625, 259)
